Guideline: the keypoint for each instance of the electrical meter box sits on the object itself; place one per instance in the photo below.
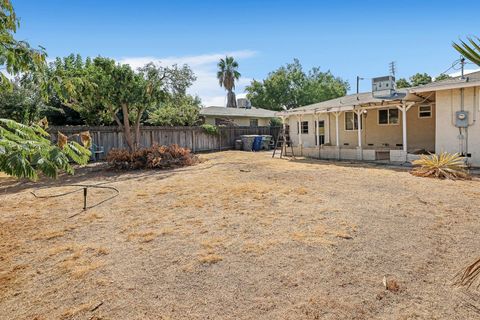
(461, 119)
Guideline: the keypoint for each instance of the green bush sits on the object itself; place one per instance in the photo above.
(275, 122)
(210, 129)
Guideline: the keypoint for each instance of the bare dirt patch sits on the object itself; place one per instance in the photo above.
(240, 236)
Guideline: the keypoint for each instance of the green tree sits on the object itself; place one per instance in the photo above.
(402, 83)
(420, 79)
(470, 51)
(180, 110)
(442, 76)
(26, 151)
(24, 103)
(105, 89)
(15, 56)
(292, 87)
(227, 74)
(63, 75)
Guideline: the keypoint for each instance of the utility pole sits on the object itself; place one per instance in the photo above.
(358, 82)
(393, 68)
(462, 63)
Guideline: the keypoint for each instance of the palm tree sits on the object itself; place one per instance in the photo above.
(226, 75)
(470, 51)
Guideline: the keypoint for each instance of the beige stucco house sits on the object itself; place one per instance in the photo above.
(251, 117)
(398, 128)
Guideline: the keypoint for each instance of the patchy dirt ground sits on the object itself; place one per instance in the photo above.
(240, 236)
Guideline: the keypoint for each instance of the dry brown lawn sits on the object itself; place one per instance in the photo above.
(240, 236)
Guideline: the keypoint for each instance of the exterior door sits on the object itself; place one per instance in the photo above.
(321, 133)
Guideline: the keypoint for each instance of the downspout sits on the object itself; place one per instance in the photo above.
(462, 108)
(474, 119)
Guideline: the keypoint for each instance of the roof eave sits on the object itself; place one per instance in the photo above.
(457, 85)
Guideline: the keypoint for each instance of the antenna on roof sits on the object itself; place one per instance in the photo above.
(392, 66)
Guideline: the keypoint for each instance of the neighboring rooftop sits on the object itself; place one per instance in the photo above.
(237, 112)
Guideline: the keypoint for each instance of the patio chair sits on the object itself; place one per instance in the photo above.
(96, 151)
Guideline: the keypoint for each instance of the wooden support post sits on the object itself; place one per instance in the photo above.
(359, 134)
(359, 127)
(317, 132)
(337, 129)
(404, 108)
(300, 142)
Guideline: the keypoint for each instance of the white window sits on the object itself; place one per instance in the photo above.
(253, 122)
(304, 126)
(351, 121)
(425, 111)
(388, 116)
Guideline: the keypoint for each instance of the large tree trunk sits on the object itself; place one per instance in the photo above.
(127, 133)
(231, 99)
(137, 129)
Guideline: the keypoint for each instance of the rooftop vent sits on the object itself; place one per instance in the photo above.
(383, 87)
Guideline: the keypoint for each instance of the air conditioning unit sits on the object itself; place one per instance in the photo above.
(244, 103)
(383, 87)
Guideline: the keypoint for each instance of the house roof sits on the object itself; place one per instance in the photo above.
(413, 94)
(348, 102)
(237, 112)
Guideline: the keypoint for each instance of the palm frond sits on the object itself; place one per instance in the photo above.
(443, 166)
(470, 51)
(469, 275)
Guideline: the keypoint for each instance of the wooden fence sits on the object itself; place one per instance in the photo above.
(194, 138)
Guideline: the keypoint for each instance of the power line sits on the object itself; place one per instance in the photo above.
(452, 66)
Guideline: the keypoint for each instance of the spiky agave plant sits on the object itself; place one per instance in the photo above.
(469, 275)
(25, 151)
(444, 166)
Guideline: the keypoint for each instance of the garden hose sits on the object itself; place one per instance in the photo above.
(83, 187)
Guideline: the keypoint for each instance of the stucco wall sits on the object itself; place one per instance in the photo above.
(448, 101)
(240, 121)
(420, 131)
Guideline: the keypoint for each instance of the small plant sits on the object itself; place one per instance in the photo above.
(211, 129)
(443, 166)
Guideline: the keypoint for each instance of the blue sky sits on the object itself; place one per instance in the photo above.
(349, 38)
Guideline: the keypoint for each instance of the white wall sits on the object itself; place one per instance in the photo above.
(447, 102)
(308, 140)
(420, 131)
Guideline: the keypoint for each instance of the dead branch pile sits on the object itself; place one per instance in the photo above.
(155, 157)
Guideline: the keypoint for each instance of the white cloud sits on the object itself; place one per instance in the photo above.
(204, 66)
